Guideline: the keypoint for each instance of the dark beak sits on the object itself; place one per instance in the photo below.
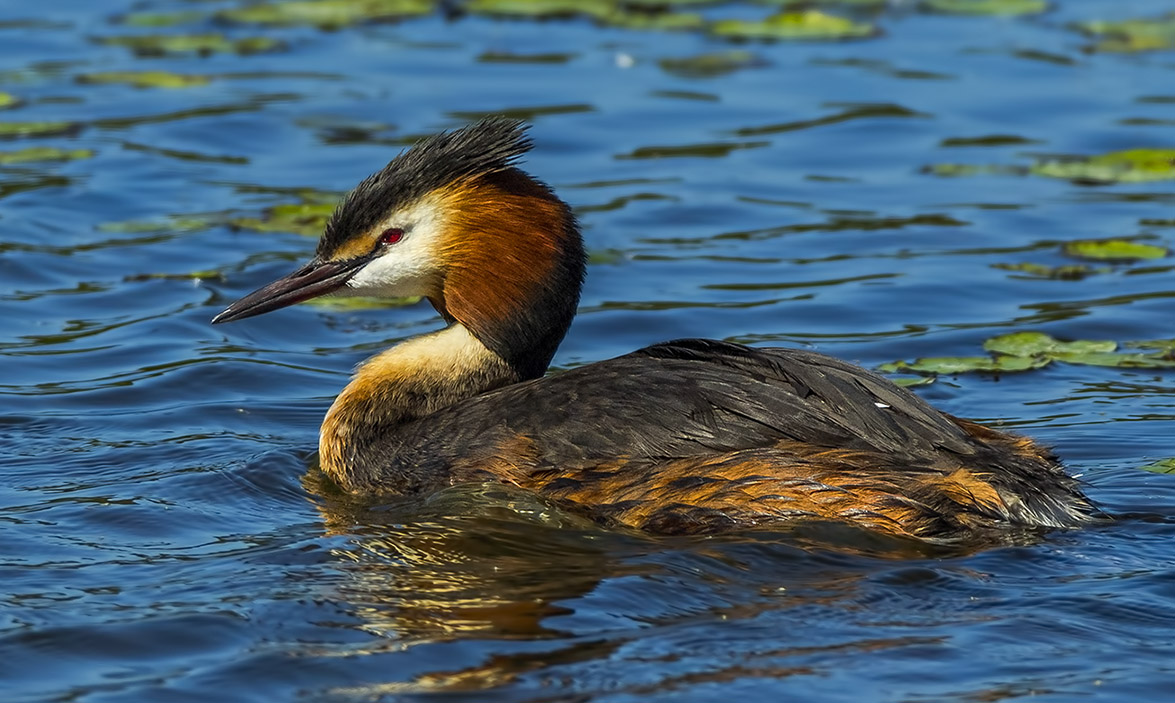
(312, 280)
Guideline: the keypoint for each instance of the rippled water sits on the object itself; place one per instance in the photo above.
(163, 536)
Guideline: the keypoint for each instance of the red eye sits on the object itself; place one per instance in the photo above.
(391, 235)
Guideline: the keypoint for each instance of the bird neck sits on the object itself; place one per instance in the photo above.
(509, 290)
(513, 275)
(407, 382)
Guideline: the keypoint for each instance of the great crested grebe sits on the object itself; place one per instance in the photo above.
(689, 436)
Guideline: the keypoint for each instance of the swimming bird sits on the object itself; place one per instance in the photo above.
(683, 437)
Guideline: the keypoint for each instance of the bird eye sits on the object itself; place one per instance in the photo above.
(391, 235)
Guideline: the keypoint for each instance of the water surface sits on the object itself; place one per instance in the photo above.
(166, 537)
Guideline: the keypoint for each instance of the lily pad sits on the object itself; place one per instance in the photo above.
(43, 153)
(161, 19)
(1124, 361)
(626, 15)
(966, 364)
(966, 170)
(988, 7)
(301, 218)
(1165, 345)
(1113, 250)
(542, 8)
(146, 79)
(1033, 343)
(1072, 272)
(192, 276)
(1162, 466)
(810, 24)
(1131, 166)
(708, 150)
(1023, 351)
(988, 140)
(9, 130)
(170, 224)
(203, 44)
(913, 381)
(711, 65)
(1132, 35)
(8, 100)
(661, 21)
(662, 4)
(327, 13)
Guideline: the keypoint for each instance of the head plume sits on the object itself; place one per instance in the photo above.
(488, 146)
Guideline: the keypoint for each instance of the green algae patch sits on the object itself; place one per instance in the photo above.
(543, 8)
(913, 381)
(1121, 361)
(624, 15)
(1130, 166)
(1026, 351)
(659, 21)
(8, 100)
(951, 365)
(191, 276)
(1130, 36)
(712, 64)
(663, 4)
(13, 130)
(42, 153)
(1162, 466)
(170, 224)
(1085, 352)
(707, 151)
(327, 13)
(514, 57)
(146, 79)
(1033, 343)
(201, 44)
(988, 140)
(161, 19)
(987, 7)
(306, 219)
(1113, 250)
(807, 25)
(969, 170)
(1071, 272)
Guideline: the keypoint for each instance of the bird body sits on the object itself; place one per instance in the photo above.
(690, 436)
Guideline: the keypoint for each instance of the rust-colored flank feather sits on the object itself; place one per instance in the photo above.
(686, 437)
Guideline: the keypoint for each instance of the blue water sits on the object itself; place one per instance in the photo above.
(164, 535)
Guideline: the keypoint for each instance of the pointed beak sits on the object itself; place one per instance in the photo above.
(312, 280)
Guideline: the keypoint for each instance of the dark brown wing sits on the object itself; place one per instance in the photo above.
(691, 404)
(696, 397)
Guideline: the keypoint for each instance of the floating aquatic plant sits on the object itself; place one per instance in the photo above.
(1131, 35)
(1129, 166)
(809, 24)
(165, 44)
(987, 7)
(1113, 250)
(1025, 351)
(36, 129)
(146, 79)
(1069, 272)
(42, 153)
(711, 64)
(327, 13)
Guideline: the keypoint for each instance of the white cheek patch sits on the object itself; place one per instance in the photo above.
(392, 276)
(408, 268)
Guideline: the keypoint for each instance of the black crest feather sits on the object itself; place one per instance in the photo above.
(487, 146)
